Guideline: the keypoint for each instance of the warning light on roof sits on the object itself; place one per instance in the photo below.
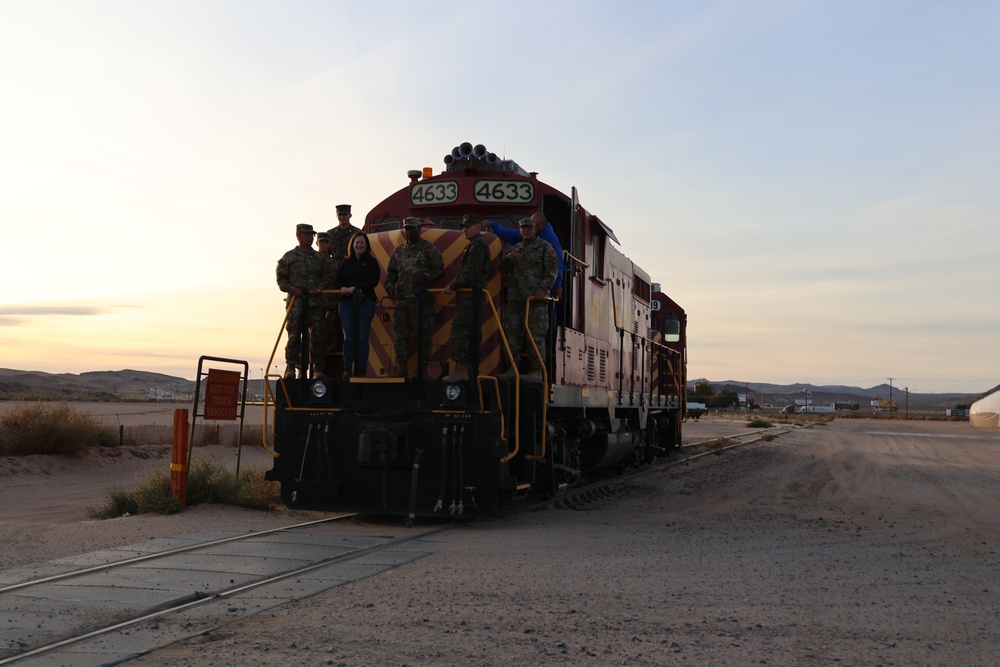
(428, 172)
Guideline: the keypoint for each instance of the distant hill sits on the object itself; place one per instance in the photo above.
(776, 394)
(123, 385)
(133, 385)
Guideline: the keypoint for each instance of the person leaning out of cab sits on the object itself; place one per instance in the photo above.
(356, 279)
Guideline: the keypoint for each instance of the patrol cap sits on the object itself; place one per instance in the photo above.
(323, 236)
(304, 229)
(471, 219)
(343, 209)
(411, 222)
(526, 222)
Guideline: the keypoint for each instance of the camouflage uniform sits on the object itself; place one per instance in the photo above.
(305, 270)
(473, 273)
(333, 335)
(340, 240)
(408, 259)
(535, 269)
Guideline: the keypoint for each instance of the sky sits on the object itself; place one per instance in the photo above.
(814, 182)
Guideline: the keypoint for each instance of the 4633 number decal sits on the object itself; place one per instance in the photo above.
(442, 192)
(521, 192)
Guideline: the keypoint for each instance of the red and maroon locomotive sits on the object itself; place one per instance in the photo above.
(612, 394)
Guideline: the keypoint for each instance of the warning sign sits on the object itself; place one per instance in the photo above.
(222, 393)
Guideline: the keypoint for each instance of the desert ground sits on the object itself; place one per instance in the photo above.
(859, 542)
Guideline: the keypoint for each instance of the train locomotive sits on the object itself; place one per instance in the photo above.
(612, 394)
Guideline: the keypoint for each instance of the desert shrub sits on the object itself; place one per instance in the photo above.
(50, 428)
(208, 482)
(759, 422)
(718, 445)
(255, 492)
(120, 501)
(106, 436)
(152, 495)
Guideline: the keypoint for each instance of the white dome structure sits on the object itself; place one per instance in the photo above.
(985, 413)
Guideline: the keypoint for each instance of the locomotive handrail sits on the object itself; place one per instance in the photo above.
(657, 346)
(576, 260)
(517, 385)
(480, 378)
(545, 373)
(482, 406)
(267, 384)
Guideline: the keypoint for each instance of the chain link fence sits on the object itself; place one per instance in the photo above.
(140, 435)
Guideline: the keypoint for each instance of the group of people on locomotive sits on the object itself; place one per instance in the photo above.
(344, 263)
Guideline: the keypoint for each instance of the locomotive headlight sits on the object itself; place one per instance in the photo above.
(453, 392)
(318, 389)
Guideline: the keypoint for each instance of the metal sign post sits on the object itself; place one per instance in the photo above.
(221, 396)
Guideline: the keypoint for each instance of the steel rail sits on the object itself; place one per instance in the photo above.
(162, 554)
(349, 556)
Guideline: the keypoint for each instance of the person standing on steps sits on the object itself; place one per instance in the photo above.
(302, 272)
(414, 266)
(327, 303)
(473, 272)
(356, 279)
(340, 248)
(531, 270)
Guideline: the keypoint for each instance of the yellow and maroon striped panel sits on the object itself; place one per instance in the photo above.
(451, 243)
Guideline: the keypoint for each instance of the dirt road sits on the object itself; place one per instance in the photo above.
(857, 543)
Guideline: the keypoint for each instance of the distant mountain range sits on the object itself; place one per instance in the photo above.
(133, 385)
(787, 394)
(124, 385)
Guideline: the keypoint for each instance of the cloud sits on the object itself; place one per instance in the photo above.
(34, 311)
(15, 316)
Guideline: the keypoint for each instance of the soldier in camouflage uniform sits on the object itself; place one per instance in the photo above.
(302, 272)
(328, 303)
(473, 273)
(413, 267)
(340, 240)
(531, 269)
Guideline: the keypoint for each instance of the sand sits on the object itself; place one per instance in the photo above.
(856, 543)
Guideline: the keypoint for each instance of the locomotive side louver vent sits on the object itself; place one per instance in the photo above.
(591, 353)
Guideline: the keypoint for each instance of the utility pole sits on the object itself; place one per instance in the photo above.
(890, 396)
(907, 390)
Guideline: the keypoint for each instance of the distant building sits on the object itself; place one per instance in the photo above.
(985, 413)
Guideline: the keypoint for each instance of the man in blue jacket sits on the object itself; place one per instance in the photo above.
(545, 232)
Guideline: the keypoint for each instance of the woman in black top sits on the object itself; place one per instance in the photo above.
(356, 278)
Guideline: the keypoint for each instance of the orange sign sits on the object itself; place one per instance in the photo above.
(222, 393)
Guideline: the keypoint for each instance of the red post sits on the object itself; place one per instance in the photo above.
(178, 457)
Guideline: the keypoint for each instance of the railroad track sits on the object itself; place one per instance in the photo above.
(108, 613)
(589, 493)
(111, 606)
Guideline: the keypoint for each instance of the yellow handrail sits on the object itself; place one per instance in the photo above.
(267, 377)
(545, 372)
(517, 384)
(482, 406)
